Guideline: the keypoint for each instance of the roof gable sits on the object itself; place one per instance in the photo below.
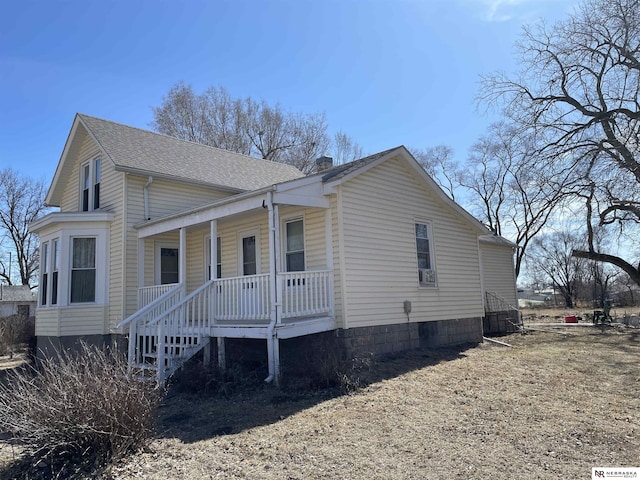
(135, 150)
(346, 172)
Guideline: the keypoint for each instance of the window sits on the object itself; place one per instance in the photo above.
(96, 184)
(90, 181)
(83, 270)
(294, 254)
(55, 251)
(218, 257)
(426, 268)
(44, 282)
(169, 265)
(249, 258)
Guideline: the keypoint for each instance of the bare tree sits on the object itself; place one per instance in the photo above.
(439, 163)
(248, 126)
(551, 254)
(21, 202)
(578, 93)
(344, 149)
(511, 190)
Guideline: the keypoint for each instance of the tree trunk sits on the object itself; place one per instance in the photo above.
(629, 269)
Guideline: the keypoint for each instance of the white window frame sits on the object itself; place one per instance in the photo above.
(95, 269)
(55, 272)
(94, 177)
(45, 280)
(253, 232)
(427, 278)
(283, 240)
(64, 233)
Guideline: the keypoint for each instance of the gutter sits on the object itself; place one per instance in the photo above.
(147, 216)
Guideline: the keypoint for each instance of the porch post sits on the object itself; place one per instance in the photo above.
(214, 248)
(328, 230)
(276, 261)
(273, 345)
(213, 227)
(140, 268)
(182, 261)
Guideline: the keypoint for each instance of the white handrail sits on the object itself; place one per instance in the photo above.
(176, 289)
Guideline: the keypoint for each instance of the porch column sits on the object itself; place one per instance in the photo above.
(328, 234)
(140, 267)
(214, 248)
(213, 228)
(273, 345)
(182, 261)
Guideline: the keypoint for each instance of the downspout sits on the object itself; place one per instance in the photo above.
(272, 358)
(146, 198)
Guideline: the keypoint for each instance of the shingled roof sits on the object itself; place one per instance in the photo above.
(142, 151)
(16, 293)
(347, 168)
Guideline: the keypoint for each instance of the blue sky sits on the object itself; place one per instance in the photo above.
(386, 72)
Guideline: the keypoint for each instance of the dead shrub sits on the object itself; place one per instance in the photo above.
(15, 331)
(77, 409)
(326, 364)
(195, 377)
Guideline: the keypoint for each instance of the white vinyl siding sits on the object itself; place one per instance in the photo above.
(165, 198)
(71, 321)
(498, 272)
(379, 211)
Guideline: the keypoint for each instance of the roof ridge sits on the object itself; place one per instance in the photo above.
(190, 142)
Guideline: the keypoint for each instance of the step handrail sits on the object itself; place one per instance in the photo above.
(197, 291)
(150, 306)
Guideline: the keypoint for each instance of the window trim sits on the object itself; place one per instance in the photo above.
(431, 252)
(95, 269)
(253, 232)
(55, 271)
(91, 172)
(157, 249)
(64, 227)
(283, 229)
(44, 274)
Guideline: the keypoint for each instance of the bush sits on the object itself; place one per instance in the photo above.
(195, 378)
(78, 409)
(14, 331)
(321, 361)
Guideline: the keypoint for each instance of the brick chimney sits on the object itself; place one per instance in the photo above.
(323, 164)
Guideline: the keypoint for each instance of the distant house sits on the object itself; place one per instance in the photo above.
(17, 300)
(176, 244)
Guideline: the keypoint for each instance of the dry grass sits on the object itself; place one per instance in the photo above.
(551, 407)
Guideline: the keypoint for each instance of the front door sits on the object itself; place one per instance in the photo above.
(249, 264)
(167, 261)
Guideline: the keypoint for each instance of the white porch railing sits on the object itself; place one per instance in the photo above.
(146, 295)
(142, 340)
(170, 329)
(305, 294)
(242, 298)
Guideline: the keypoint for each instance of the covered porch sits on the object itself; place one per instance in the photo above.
(256, 265)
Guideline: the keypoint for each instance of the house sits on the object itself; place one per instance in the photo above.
(175, 244)
(17, 300)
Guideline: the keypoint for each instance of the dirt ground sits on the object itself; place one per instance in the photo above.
(553, 406)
